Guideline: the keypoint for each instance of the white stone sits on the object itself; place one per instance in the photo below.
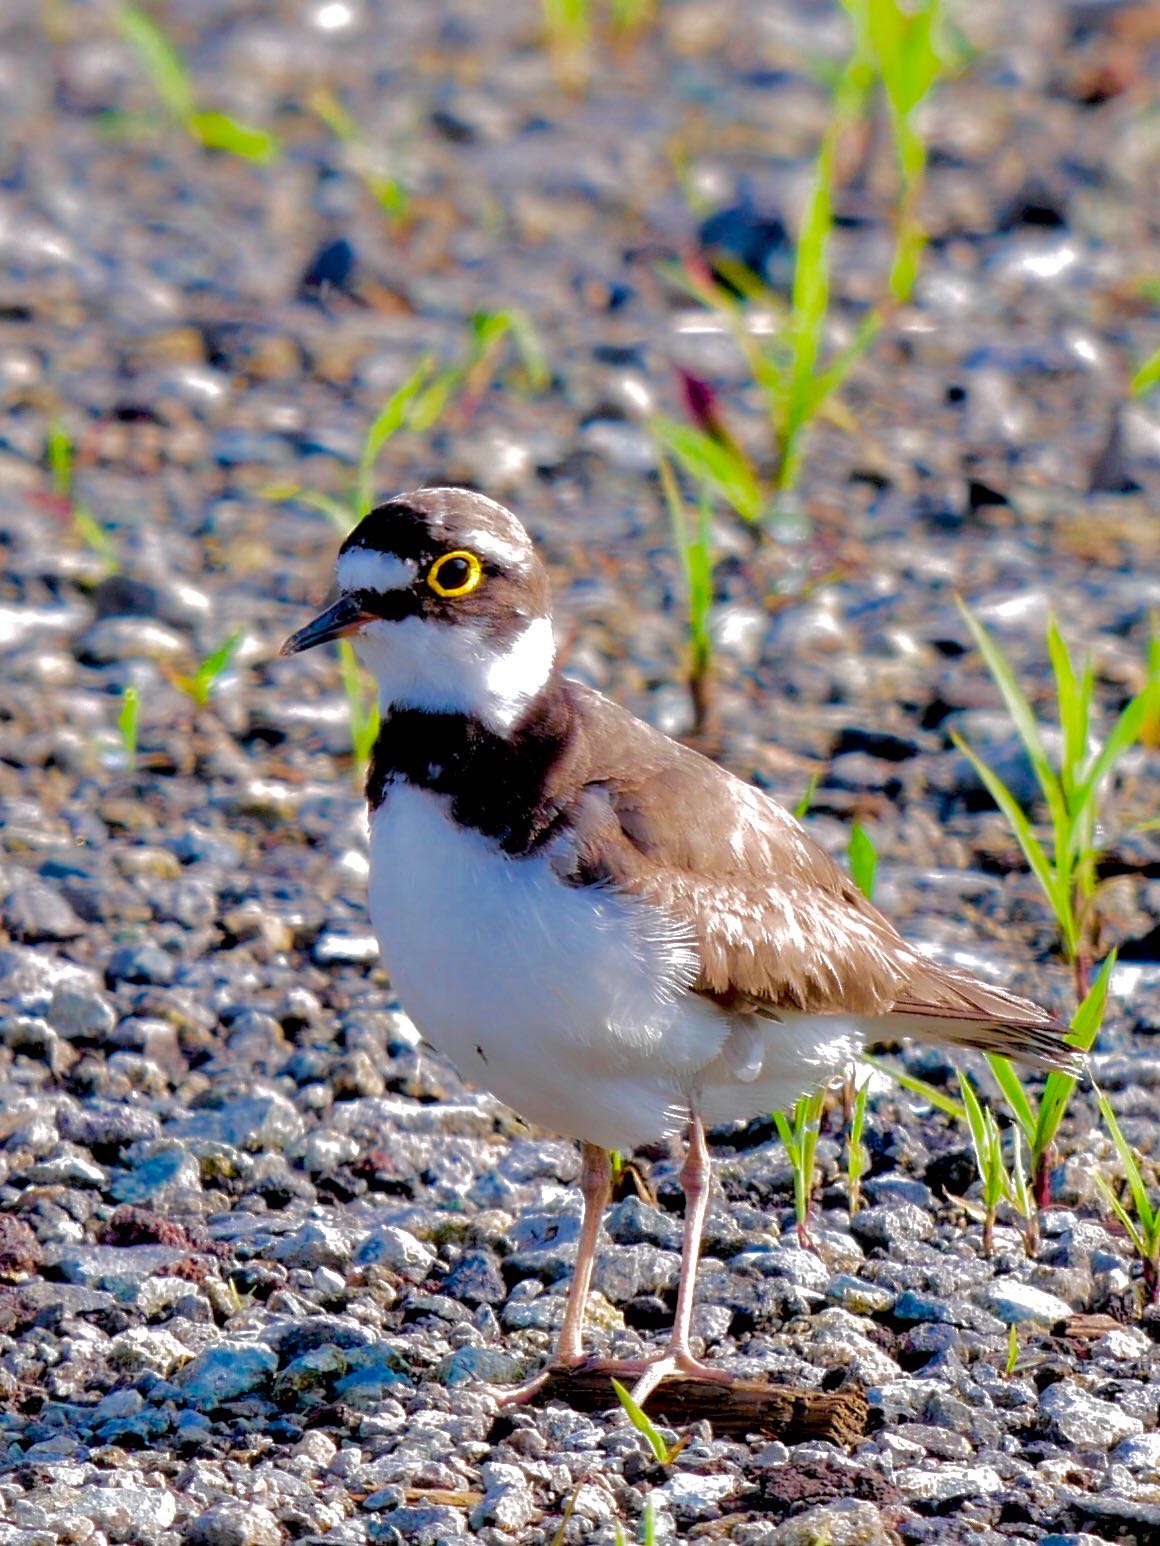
(1080, 1418)
(1015, 1303)
(934, 1483)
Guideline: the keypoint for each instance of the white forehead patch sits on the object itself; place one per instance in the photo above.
(368, 569)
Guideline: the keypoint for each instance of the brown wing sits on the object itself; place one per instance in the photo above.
(778, 925)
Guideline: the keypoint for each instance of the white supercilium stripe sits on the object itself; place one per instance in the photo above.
(368, 569)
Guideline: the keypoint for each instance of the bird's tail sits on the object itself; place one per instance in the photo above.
(957, 1010)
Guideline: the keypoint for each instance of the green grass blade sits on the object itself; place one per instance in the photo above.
(95, 536)
(1085, 1027)
(827, 381)
(863, 858)
(428, 405)
(341, 515)
(1073, 707)
(214, 664)
(708, 461)
(127, 722)
(700, 571)
(1124, 734)
(1143, 1206)
(164, 64)
(1028, 842)
(976, 1125)
(927, 1092)
(788, 1137)
(1013, 1092)
(1147, 376)
(1020, 711)
(802, 808)
(810, 298)
(644, 1424)
(60, 459)
(390, 419)
(218, 131)
(1117, 1207)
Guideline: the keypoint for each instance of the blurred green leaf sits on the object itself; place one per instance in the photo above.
(127, 723)
(164, 64)
(707, 460)
(218, 131)
(389, 420)
(863, 857)
(1147, 376)
(644, 1424)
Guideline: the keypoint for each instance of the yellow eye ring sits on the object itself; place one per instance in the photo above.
(466, 585)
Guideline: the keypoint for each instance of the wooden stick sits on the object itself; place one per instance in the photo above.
(792, 1413)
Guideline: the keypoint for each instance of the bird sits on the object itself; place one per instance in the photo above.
(613, 934)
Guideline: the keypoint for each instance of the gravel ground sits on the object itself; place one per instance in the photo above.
(260, 1250)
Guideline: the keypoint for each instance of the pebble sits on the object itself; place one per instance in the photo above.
(229, 1523)
(892, 1223)
(1017, 1303)
(1077, 1417)
(844, 1522)
(127, 1513)
(398, 1251)
(35, 912)
(224, 1372)
(948, 1483)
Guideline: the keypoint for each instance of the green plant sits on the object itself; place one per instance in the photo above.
(201, 684)
(364, 711)
(696, 558)
(664, 1452)
(1146, 376)
(1012, 1350)
(857, 1159)
(863, 860)
(799, 1134)
(1142, 1224)
(927, 1092)
(1039, 1121)
(802, 809)
(388, 192)
(648, 1525)
(897, 43)
(127, 722)
(420, 401)
(999, 1184)
(61, 460)
(787, 367)
(1067, 875)
(173, 84)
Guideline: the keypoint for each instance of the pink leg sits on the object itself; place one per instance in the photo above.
(676, 1357)
(596, 1187)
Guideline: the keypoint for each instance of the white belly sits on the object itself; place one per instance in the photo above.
(567, 1002)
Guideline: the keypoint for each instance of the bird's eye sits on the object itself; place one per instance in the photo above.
(455, 574)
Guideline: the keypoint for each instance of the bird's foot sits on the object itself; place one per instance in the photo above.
(645, 1374)
(520, 1395)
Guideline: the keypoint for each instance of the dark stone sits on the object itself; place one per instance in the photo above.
(139, 963)
(20, 1251)
(476, 1279)
(331, 268)
(742, 236)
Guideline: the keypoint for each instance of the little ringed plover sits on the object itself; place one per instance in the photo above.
(614, 935)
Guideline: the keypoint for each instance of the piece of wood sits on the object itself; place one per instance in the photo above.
(792, 1413)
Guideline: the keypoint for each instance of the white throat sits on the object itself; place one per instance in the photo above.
(456, 668)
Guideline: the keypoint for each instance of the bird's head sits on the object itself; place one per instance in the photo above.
(447, 602)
